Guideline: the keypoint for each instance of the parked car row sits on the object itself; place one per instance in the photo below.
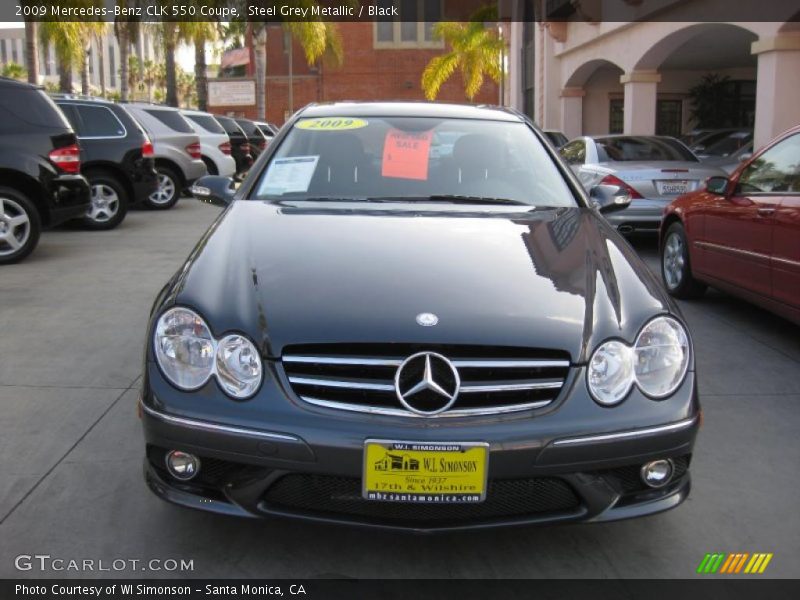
(65, 157)
(738, 232)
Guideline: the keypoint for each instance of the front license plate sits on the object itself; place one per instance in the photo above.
(425, 471)
(672, 188)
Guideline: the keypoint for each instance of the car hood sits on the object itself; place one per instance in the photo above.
(558, 279)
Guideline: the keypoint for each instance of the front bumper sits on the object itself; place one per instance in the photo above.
(563, 465)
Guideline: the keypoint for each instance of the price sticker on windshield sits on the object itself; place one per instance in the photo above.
(331, 124)
(406, 154)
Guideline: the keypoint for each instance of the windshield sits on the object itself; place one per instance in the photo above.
(729, 145)
(413, 158)
(636, 148)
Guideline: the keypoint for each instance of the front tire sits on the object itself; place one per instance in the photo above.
(676, 270)
(20, 226)
(109, 202)
(168, 191)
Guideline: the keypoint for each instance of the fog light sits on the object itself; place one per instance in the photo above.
(182, 465)
(658, 473)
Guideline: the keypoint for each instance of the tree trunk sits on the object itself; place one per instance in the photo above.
(64, 77)
(87, 52)
(102, 66)
(172, 83)
(31, 52)
(200, 77)
(123, 39)
(260, 43)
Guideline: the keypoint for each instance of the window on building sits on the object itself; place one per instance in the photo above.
(616, 115)
(412, 28)
(669, 117)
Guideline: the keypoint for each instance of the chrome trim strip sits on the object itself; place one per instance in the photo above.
(786, 261)
(353, 385)
(731, 250)
(623, 435)
(391, 362)
(213, 427)
(513, 387)
(335, 360)
(510, 363)
(398, 412)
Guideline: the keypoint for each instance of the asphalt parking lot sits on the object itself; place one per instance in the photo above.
(72, 321)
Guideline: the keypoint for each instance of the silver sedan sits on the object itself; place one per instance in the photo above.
(654, 170)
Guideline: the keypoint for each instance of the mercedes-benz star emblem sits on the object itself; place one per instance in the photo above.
(427, 319)
(427, 383)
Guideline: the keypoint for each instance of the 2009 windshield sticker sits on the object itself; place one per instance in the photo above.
(331, 124)
(288, 175)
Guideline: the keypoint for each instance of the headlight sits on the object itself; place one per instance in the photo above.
(184, 348)
(657, 363)
(611, 372)
(662, 357)
(238, 366)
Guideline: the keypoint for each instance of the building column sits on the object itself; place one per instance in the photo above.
(572, 111)
(641, 88)
(777, 87)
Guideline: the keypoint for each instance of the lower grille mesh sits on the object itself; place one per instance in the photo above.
(323, 494)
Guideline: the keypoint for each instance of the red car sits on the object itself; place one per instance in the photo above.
(741, 234)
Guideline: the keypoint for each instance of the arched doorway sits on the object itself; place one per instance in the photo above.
(592, 99)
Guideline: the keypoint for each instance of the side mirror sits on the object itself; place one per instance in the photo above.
(214, 189)
(745, 156)
(609, 198)
(717, 185)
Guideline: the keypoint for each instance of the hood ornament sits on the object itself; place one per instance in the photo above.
(427, 319)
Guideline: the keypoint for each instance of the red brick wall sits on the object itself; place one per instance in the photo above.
(366, 73)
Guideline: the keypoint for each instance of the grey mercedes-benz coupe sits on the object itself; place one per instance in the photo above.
(413, 316)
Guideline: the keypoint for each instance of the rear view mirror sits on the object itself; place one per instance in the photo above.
(214, 189)
(717, 185)
(609, 198)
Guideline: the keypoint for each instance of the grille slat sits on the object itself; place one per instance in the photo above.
(361, 379)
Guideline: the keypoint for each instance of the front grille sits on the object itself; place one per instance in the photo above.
(360, 377)
(506, 498)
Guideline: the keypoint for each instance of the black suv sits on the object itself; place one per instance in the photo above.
(240, 146)
(116, 158)
(258, 143)
(40, 181)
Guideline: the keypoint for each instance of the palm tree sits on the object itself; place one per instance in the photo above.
(199, 33)
(90, 31)
(31, 51)
(475, 49)
(127, 32)
(317, 38)
(65, 36)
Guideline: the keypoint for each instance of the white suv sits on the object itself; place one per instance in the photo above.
(215, 144)
(176, 147)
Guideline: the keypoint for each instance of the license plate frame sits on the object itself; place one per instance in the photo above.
(421, 484)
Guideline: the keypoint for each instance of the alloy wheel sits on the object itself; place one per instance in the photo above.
(674, 262)
(105, 203)
(165, 191)
(15, 226)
